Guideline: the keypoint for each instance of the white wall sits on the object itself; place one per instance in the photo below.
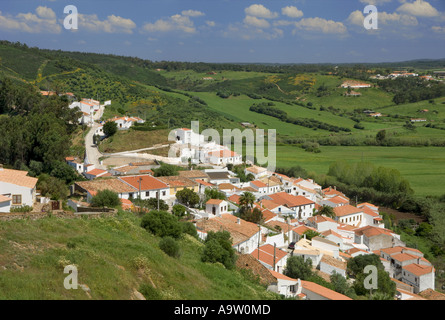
(28, 194)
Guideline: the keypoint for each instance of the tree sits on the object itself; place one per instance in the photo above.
(246, 201)
(326, 211)
(252, 215)
(110, 128)
(311, 234)
(179, 210)
(106, 198)
(298, 268)
(341, 285)
(381, 135)
(151, 204)
(161, 223)
(187, 197)
(170, 246)
(218, 248)
(211, 193)
(166, 170)
(52, 187)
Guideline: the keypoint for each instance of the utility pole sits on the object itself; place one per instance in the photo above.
(274, 247)
(259, 236)
(139, 180)
(157, 196)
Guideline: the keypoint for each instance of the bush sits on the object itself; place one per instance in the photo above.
(179, 210)
(218, 248)
(189, 228)
(21, 209)
(149, 292)
(170, 247)
(162, 224)
(106, 198)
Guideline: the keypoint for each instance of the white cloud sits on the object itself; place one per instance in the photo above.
(292, 12)
(321, 25)
(113, 24)
(45, 13)
(260, 11)
(256, 22)
(375, 2)
(192, 13)
(176, 22)
(438, 29)
(44, 21)
(418, 8)
(211, 23)
(250, 32)
(384, 18)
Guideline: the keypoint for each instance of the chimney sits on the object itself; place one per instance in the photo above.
(1, 167)
(238, 220)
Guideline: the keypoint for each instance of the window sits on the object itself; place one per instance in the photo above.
(164, 193)
(147, 194)
(17, 199)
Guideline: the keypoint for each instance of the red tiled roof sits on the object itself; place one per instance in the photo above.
(214, 201)
(17, 177)
(267, 254)
(289, 200)
(147, 182)
(346, 210)
(417, 269)
(234, 198)
(323, 291)
(223, 153)
(258, 184)
(96, 172)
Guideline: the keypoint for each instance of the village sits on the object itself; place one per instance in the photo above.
(293, 221)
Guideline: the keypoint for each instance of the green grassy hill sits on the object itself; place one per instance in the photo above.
(115, 257)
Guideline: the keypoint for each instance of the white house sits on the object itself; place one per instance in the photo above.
(302, 207)
(349, 214)
(259, 186)
(76, 164)
(245, 235)
(17, 186)
(124, 123)
(96, 173)
(271, 257)
(257, 172)
(217, 207)
(322, 223)
(148, 187)
(283, 285)
(224, 157)
(188, 136)
(335, 201)
(331, 265)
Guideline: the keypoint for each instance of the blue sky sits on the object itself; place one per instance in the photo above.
(293, 31)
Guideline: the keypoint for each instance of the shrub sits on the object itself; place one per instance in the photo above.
(106, 198)
(189, 228)
(149, 292)
(21, 209)
(218, 248)
(170, 247)
(162, 224)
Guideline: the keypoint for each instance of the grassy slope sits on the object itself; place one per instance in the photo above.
(114, 257)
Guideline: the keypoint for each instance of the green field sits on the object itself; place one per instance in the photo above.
(423, 167)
